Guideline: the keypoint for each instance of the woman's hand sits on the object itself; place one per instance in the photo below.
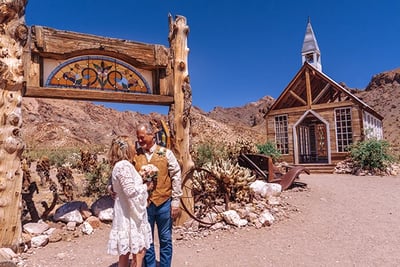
(111, 191)
(150, 185)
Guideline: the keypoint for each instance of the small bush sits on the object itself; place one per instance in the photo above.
(269, 149)
(209, 152)
(371, 154)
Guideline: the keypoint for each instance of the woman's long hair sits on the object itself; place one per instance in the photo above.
(121, 148)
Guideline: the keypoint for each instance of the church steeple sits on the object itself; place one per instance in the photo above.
(310, 52)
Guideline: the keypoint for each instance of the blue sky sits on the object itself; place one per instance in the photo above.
(241, 50)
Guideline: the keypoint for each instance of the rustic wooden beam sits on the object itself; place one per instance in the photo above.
(332, 105)
(60, 44)
(97, 95)
(287, 110)
(298, 97)
(313, 107)
(308, 88)
(323, 91)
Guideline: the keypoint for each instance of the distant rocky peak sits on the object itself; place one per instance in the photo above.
(391, 78)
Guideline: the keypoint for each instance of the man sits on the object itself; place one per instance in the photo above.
(164, 200)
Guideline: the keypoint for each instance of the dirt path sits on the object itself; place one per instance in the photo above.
(342, 221)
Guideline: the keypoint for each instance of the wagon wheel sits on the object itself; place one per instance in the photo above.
(204, 196)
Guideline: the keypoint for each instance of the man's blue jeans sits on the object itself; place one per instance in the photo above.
(161, 216)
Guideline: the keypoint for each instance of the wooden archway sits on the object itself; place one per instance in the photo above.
(28, 55)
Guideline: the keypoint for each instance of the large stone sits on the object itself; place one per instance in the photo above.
(94, 222)
(39, 241)
(101, 204)
(7, 254)
(232, 217)
(73, 216)
(86, 228)
(71, 212)
(35, 228)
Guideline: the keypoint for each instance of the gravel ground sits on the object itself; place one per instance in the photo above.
(341, 220)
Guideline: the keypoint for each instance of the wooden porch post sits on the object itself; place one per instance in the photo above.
(13, 37)
(179, 113)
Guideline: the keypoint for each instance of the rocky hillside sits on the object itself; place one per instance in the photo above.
(49, 123)
(383, 95)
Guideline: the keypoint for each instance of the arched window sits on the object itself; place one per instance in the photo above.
(98, 72)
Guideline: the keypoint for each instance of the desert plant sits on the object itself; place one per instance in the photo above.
(97, 180)
(371, 154)
(240, 146)
(269, 148)
(57, 157)
(208, 152)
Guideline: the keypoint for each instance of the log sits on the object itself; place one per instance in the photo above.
(12, 39)
(179, 113)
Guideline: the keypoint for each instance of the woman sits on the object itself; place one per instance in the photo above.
(130, 232)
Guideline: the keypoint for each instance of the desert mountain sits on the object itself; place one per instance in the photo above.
(50, 123)
(383, 95)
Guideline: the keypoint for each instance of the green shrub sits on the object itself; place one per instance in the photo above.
(208, 152)
(371, 154)
(269, 149)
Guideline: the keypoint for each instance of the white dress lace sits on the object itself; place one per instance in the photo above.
(130, 231)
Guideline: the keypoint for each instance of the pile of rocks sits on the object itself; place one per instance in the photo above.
(349, 167)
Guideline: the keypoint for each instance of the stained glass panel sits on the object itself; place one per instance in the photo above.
(98, 72)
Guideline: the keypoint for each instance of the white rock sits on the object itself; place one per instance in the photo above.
(73, 216)
(36, 228)
(106, 215)
(71, 226)
(266, 218)
(7, 253)
(274, 189)
(265, 189)
(232, 217)
(87, 228)
(39, 241)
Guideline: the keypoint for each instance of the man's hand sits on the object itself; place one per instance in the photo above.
(175, 212)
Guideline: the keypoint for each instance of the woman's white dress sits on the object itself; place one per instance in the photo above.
(130, 231)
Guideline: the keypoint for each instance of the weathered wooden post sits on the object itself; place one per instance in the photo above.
(179, 112)
(13, 37)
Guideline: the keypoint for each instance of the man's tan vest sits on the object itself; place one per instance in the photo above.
(163, 189)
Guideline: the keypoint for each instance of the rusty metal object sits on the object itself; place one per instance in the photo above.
(205, 196)
(264, 168)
